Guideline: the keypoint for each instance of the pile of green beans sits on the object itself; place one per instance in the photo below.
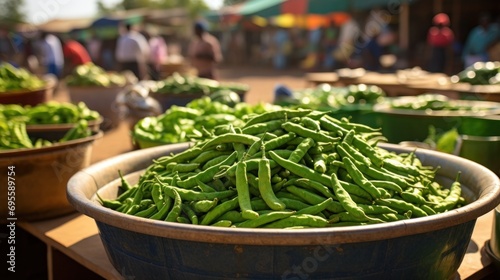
(287, 169)
(13, 135)
(51, 112)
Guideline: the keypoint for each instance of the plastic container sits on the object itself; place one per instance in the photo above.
(420, 248)
(481, 149)
(40, 177)
(413, 125)
(100, 99)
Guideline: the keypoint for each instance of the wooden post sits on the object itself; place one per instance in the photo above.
(404, 26)
(438, 6)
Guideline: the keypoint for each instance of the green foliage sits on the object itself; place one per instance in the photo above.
(11, 11)
(232, 2)
(195, 7)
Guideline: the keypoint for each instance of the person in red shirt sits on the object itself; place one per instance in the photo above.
(440, 38)
(75, 53)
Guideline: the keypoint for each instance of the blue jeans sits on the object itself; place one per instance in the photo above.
(54, 69)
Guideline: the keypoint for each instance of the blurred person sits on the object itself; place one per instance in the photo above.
(440, 40)
(281, 46)
(51, 52)
(75, 53)
(312, 49)
(158, 54)
(479, 40)
(348, 34)
(494, 50)
(328, 45)
(7, 47)
(372, 49)
(132, 52)
(94, 47)
(204, 52)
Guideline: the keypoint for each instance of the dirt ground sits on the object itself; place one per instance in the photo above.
(261, 81)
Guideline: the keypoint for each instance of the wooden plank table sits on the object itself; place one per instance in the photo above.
(76, 237)
(398, 85)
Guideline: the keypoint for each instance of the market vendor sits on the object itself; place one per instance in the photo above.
(204, 52)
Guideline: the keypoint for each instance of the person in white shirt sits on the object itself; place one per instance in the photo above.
(52, 54)
(158, 54)
(132, 52)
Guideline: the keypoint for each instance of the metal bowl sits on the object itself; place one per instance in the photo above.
(420, 248)
(40, 177)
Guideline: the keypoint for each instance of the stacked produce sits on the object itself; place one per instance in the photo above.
(183, 124)
(480, 73)
(13, 135)
(436, 102)
(15, 118)
(287, 169)
(18, 79)
(89, 74)
(185, 84)
(325, 96)
(51, 112)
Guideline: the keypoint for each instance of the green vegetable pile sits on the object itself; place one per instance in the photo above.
(193, 122)
(185, 84)
(89, 74)
(479, 73)
(325, 96)
(51, 112)
(431, 101)
(445, 142)
(13, 135)
(287, 169)
(18, 79)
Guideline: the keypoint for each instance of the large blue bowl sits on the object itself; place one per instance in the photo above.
(422, 248)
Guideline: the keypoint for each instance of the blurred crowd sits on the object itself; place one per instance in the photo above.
(357, 41)
(59, 53)
(368, 40)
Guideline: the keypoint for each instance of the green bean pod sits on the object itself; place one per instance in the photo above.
(243, 192)
(265, 219)
(299, 220)
(265, 187)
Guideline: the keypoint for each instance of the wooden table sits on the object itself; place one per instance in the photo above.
(73, 238)
(76, 237)
(399, 85)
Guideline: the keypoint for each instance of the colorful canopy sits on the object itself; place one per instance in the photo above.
(273, 8)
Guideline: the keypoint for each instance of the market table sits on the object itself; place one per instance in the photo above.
(76, 237)
(398, 84)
